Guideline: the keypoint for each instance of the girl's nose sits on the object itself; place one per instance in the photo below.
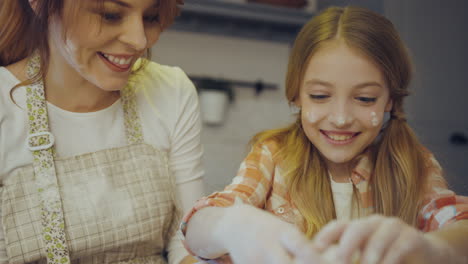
(341, 117)
(340, 120)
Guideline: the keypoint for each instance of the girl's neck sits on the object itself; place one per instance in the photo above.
(339, 172)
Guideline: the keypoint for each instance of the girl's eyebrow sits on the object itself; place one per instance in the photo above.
(319, 82)
(315, 81)
(366, 84)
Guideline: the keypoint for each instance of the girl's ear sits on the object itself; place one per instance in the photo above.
(297, 102)
(389, 105)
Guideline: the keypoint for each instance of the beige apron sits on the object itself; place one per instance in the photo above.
(111, 206)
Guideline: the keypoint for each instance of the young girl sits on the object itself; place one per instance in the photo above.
(97, 145)
(343, 173)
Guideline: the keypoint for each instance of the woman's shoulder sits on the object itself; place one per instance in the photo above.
(169, 75)
(163, 82)
(17, 70)
(10, 76)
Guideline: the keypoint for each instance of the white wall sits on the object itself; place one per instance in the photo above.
(239, 59)
(436, 32)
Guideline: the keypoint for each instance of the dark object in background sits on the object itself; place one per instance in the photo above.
(458, 138)
(285, 3)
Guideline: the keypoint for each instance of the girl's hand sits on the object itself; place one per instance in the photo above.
(379, 239)
(252, 235)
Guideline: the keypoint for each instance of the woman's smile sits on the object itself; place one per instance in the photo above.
(117, 63)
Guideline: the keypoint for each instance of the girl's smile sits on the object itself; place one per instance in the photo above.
(343, 99)
(339, 137)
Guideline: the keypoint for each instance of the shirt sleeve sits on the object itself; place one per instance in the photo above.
(186, 150)
(441, 206)
(251, 185)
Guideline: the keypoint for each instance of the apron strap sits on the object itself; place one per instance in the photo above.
(133, 129)
(40, 142)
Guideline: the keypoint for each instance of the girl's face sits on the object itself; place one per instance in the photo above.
(102, 43)
(343, 99)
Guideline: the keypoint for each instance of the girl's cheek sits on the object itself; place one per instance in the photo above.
(313, 116)
(374, 119)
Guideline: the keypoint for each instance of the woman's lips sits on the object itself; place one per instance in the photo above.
(116, 63)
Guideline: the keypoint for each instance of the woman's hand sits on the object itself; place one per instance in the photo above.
(379, 239)
(252, 235)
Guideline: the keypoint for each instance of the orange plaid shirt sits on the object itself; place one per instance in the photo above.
(260, 183)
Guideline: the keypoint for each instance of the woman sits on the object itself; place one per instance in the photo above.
(349, 173)
(98, 146)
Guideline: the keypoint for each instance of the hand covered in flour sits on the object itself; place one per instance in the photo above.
(252, 235)
(378, 239)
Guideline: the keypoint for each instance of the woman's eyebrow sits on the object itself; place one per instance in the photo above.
(128, 5)
(120, 3)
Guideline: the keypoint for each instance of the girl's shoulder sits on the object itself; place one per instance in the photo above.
(270, 146)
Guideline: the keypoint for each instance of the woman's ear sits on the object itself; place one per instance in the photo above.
(389, 105)
(33, 5)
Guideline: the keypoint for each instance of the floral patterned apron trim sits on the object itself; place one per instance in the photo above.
(40, 142)
(133, 128)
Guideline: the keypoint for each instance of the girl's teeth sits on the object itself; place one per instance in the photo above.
(340, 137)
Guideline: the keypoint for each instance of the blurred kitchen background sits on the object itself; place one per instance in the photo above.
(241, 47)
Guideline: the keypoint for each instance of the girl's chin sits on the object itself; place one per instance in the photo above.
(338, 160)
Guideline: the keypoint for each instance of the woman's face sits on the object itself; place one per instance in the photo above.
(343, 99)
(103, 42)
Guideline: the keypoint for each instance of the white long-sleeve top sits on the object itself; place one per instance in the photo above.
(169, 114)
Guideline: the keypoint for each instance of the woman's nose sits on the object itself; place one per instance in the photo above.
(134, 34)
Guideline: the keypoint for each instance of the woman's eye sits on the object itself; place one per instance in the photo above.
(151, 19)
(111, 17)
(318, 96)
(367, 99)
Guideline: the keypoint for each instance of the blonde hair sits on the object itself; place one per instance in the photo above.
(24, 31)
(399, 158)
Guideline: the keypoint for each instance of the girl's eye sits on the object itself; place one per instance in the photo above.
(318, 96)
(367, 99)
(151, 19)
(111, 17)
